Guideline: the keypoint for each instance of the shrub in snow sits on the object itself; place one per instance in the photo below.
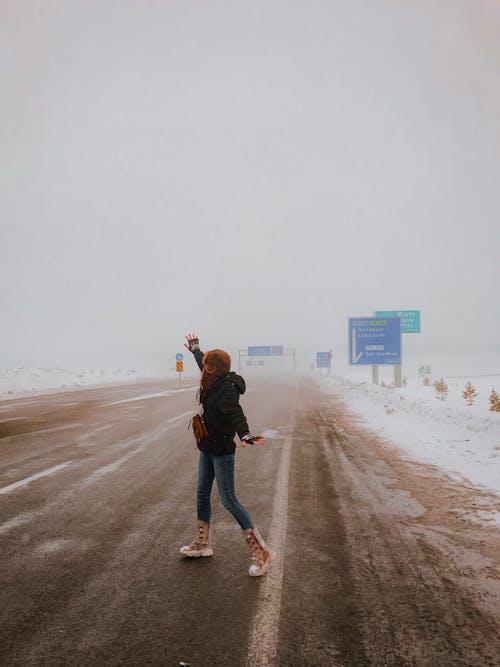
(441, 389)
(426, 381)
(494, 401)
(469, 393)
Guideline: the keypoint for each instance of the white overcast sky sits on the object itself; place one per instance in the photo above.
(256, 171)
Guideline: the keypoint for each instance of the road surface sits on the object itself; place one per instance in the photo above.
(377, 562)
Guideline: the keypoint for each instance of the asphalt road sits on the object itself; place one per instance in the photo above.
(377, 563)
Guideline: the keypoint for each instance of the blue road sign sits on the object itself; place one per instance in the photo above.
(410, 319)
(265, 350)
(259, 351)
(374, 341)
(179, 356)
(323, 360)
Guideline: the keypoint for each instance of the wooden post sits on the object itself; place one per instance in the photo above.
(397, 376)
(375, 374)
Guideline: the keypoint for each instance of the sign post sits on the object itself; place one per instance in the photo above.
(324, 360)
(410, 323)
(179, 365)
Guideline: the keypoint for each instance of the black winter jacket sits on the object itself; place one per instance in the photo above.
(222, 413)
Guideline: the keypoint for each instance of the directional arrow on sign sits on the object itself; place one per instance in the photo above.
(355, 358)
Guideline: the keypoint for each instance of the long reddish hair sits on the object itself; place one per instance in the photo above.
(215, 364)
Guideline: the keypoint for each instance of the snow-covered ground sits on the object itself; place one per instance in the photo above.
(463, 440)
(19, 380)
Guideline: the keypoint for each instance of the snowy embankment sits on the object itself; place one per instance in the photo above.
(462, 440)
(20, 380)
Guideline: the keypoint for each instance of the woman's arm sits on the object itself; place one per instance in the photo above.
(193, 345)
(230, 407)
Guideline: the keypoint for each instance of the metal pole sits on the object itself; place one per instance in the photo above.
(397, 376)
(375, 374)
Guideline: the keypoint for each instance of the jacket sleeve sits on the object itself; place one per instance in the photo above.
(198, 355)
(230, 407)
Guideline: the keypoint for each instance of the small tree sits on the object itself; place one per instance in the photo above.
(441, 389)
(494, 401)
(426, 381)
(469, 393)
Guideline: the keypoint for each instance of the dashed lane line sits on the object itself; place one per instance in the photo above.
(143, 397)
(27, 480)
(96, 475)
(53, 429)
(184, 414)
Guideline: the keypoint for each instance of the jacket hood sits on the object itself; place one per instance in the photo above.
(237, 380)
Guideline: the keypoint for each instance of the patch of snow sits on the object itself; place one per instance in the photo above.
(271, 434)
(462, 440)
(20, 380)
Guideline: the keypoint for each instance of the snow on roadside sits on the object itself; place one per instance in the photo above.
(20, 380)
(464, 441)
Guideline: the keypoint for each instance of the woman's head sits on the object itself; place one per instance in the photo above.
(215, 364)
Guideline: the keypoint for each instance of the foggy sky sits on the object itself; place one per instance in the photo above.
(254, 171)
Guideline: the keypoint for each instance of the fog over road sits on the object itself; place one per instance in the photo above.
(376, 564)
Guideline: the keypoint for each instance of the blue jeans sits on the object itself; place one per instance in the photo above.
(222, 469)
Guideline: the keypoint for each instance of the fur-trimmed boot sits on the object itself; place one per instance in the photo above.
(262, 556)
(201, 544)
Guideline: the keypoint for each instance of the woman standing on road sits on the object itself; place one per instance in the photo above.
(223, 416)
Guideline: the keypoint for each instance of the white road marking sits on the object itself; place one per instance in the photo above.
(143, 397)
(184, 414)
(83, 440)
(27, 480)
(12, 403)
(54, 429)
(99, 473)
(139, 398)
(104, 428)
(111, 467)
(263, 643)
(15, 522)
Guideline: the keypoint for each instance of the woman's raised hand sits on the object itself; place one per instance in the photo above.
(193, 342)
